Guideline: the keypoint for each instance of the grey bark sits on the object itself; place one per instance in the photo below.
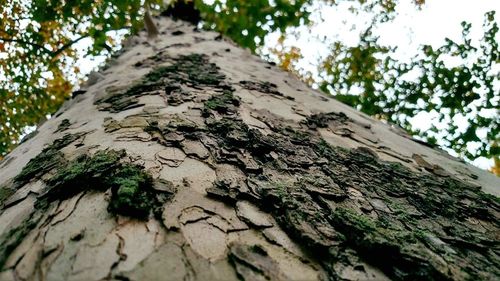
(195, 160)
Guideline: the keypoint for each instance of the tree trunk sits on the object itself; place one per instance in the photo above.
(193, 159)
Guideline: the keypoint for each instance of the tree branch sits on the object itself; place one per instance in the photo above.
(57, 52)
(67, 45)
(40, 47)
(64, 47)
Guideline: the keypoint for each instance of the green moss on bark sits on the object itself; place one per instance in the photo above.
(133, 194)
(83, 173)
(223, 103)
(193, 70)
(10, 239)
(50, 158)
(5, 193)
(132, 188)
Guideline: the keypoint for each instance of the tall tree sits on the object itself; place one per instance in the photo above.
(43, 41)
(192, 159)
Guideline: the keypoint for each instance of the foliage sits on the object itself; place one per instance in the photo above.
(38, 55)
(248, 22)
(465, 91)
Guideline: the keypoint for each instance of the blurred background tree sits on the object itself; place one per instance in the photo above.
(43, 45)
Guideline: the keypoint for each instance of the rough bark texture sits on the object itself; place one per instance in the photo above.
(195, 160)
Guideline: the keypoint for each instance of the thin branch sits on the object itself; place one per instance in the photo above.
(40, 47)
(67, 45)
(60, 50)
(57, 52)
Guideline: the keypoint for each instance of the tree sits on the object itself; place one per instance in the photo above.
(193, 159)
(43, 41)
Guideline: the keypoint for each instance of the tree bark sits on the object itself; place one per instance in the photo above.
(193, 159)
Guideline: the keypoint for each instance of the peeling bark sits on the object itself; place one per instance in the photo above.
(194, 160)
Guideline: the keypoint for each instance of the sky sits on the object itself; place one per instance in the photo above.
(436, 20)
